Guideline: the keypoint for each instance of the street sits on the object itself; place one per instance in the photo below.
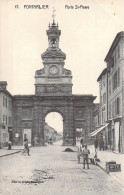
(50, 171)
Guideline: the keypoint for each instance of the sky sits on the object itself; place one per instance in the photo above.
(86, 36)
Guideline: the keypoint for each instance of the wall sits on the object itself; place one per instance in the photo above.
(29, 112)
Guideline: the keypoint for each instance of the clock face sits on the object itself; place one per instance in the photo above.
(53, 70)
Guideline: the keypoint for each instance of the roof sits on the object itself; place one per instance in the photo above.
(3, 82)
(114, 44)
(102, 73)
(6, 92)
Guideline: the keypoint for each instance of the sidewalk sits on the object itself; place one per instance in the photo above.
(106, 156)
(15, 149)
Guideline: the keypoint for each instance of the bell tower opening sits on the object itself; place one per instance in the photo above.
(53, 131)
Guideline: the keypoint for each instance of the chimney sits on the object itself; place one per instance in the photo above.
(3, 84)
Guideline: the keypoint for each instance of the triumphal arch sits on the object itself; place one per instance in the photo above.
(53, 93)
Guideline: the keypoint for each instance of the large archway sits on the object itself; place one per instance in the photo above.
(53, 128)
(67, 114)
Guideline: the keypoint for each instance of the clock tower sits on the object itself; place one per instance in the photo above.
(53, 79)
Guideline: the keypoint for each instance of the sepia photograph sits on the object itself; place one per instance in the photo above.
(61, 97)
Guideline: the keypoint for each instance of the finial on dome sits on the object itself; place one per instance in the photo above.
(53, 16)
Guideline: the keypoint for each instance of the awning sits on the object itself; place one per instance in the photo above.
(98, 130)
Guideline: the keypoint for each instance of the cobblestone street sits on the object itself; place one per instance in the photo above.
(50, 171)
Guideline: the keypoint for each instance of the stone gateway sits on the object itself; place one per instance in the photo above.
(53, 93)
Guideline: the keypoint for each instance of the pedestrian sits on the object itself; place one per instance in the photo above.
(50, 141)
(101, 144)
(80, 149)
(26, 146)
(9, 145)
(85, 154)
(96, 143)
(81, 141)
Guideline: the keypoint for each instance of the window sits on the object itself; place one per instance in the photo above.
(6, 119)
(104, 83)
(118, 76)
(10, 121)
(116, 79)
(10, 104)
(98, 119)
(112, 62)
(113, 111)
(3, 101)
(102, 117)
(104, 98)
(109, 87)
(3, 119)
(110, 111)
(101, 99)
(6, 102)
(118, 105)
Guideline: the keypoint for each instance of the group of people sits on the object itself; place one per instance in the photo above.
(84, 152)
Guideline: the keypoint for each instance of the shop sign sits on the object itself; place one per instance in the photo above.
(113, 167)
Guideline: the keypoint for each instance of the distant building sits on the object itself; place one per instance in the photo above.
(5, 115)
(49, 133)
(59, 136)
(111, 83)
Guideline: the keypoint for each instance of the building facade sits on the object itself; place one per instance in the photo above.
(113, 107)
(5, 115)
(103, 107)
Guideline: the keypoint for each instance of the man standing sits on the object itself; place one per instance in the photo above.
(85, 154)
(26, 147)
(81, 141)
(96, 143)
